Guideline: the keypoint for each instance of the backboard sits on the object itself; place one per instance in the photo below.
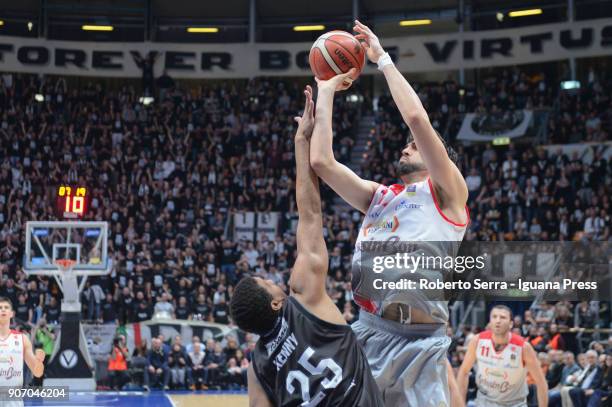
(85, 243)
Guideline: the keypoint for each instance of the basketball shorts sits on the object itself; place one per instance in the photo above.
(408, 361)
(482, 402)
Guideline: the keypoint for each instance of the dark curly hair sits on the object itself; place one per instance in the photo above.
(452, 154)
(251, 307)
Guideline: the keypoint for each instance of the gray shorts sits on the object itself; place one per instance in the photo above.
(482, 402)
(408, 361)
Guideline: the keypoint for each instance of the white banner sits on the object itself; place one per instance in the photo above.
(267, 224)
(244, 226)
(448, 51)
(144, 331)
(99, 340)
(487, 127)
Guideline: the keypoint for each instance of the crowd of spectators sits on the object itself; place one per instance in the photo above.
(168, 177)
(575, 357)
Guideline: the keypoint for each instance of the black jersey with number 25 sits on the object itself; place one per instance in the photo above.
(306, 361)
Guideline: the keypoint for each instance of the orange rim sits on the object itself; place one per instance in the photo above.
(65, 263)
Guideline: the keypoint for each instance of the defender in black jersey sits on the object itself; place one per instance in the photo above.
(306, 354)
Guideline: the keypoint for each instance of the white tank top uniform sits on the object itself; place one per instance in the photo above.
(501, 376)
(11, 360)
(406, 213)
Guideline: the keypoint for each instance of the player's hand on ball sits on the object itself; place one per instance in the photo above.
(40, 355)
(306, 121)
(369, 41)
(338, 82)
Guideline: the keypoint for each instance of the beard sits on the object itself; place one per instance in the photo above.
(404, 168)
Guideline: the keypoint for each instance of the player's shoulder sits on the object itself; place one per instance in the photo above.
(485, 335)
(517, 340)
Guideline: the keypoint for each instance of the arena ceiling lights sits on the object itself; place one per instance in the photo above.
(524, 13)
(97, 28)
(412, 23)
(309, 28)
(202, 30)
(1, 23)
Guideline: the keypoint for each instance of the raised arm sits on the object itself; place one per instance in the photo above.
(443, 172)
(463, 376)
(310, 269)
(354, 190)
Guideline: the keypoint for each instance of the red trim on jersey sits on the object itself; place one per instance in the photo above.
(367, 305)
(433, 194)
(515, 339)
(485, 335)
(397, 189)
(11, 332)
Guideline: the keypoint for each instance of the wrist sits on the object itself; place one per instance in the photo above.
(384, 60)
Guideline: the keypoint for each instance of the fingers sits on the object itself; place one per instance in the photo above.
(362, 26)
(348, 75)
(297, 119)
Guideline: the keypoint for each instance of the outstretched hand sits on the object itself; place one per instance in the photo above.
(338, 82)
(306, 121)
(369, 40)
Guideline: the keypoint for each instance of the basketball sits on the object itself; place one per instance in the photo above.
(334, 53)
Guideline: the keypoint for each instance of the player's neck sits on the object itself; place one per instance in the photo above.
(5, 330)
(499, 341)
(416, 176)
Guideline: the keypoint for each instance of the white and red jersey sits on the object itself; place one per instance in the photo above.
(11, 360)
(406, 213)
(501, 376)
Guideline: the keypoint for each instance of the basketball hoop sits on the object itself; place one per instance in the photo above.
(64, 264)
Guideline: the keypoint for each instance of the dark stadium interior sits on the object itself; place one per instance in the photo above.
(169, 176)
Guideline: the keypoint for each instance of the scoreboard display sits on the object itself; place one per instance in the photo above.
(72, 201)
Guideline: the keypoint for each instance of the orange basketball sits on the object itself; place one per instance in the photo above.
(334, 53)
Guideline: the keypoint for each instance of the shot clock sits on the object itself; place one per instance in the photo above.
(72, 201)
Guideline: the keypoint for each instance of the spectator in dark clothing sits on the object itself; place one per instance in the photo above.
(109, 313)
(214, 362)
(604, 390)
(555, 370)
(221, 312)
(178, 366)
(143, 312)
(157, 371)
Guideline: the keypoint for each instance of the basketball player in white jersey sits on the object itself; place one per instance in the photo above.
(502, 362)
(404, 333)
(15, 349)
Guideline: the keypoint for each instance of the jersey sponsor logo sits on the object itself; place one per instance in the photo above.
(285, 352)
(500, 387)
(10, 372)
(386, 224)
(411, 190)
(406, 205)
(375, 212)
(496, 373)
(273, 344)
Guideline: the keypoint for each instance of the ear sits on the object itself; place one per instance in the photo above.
(277, 304)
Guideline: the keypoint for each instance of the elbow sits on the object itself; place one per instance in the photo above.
(416, 118)
(320, 164)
